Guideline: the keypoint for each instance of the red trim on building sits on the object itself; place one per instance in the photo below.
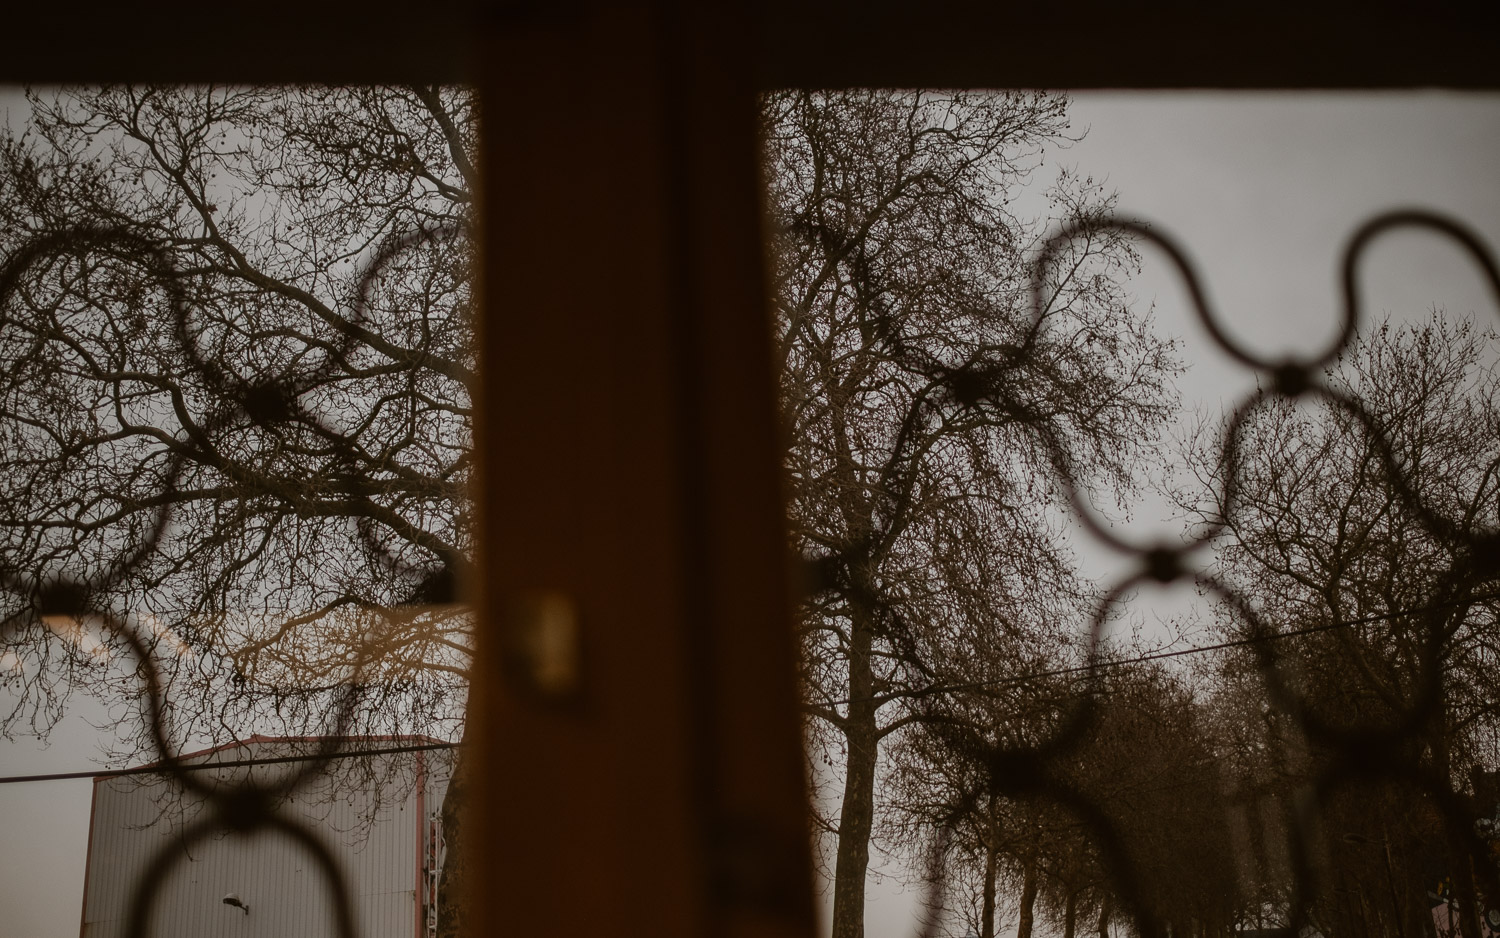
(413, 738)
(419, 888)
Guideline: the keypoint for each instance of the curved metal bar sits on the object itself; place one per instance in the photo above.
(1418, 218)
(168, 855)
(1186, 269)
(333, 872)
(1428, 692)
(72, 595)
(1085, 514)
(143, 899)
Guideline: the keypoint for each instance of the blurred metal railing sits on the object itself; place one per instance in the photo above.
(1384, 752)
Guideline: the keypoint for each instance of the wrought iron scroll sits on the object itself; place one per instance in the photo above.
(250, 806)
(1372, 753)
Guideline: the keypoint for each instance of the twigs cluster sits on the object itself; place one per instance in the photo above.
(248, 805)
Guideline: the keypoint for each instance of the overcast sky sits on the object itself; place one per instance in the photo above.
(1263, 188)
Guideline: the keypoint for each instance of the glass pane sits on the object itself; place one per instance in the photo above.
(1029, 710)
(235, 427)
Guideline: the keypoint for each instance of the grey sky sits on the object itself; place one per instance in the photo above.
(1263, 188)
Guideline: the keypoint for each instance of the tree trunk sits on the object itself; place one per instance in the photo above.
(453, 882)
(1105, 908)
(856, 818)
(987, 925)
(1070, 914)
(1028, 899)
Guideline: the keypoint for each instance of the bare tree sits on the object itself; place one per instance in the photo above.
(996, 847)
(1125, 820)
(237, 334)
(918, 395)
(197, 361)
(1367, 537)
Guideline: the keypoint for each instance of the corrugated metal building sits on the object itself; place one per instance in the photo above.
(378, 815)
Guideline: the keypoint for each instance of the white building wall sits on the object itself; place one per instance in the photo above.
(379, 840)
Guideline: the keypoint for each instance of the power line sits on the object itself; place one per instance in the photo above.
(159, 769)
(1160, 655)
